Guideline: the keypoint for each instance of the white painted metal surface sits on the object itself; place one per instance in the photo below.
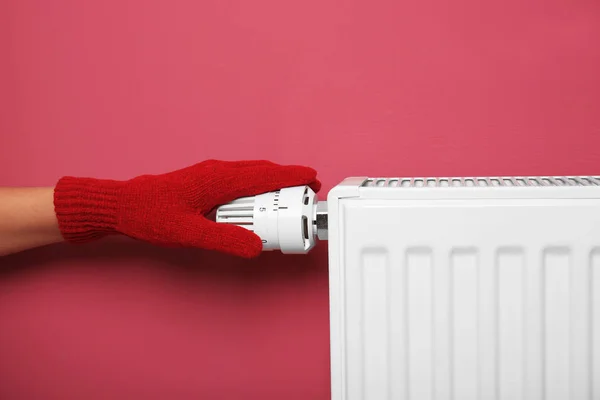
(465, 289)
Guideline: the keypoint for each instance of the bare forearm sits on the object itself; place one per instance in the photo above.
(27, 219)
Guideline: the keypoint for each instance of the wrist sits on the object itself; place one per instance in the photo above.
(86, 208)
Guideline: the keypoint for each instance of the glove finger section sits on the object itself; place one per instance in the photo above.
(255, 181)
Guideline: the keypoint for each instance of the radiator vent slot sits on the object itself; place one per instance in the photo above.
(529, 181)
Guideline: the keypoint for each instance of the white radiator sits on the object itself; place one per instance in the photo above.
(465, 288)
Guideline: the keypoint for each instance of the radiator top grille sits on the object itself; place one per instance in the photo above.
(528, 181)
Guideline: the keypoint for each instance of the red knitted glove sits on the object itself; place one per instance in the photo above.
(170, 209)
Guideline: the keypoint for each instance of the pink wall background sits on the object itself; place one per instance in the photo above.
(114, 89)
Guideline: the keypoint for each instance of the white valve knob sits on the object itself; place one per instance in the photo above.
(284, 219)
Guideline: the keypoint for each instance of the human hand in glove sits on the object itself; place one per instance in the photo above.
(168, 209)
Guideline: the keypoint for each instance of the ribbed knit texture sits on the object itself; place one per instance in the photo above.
(86, 208)
(170, 209)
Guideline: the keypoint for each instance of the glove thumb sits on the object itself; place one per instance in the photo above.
(224, 238)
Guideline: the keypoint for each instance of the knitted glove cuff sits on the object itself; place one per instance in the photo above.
(86, 208)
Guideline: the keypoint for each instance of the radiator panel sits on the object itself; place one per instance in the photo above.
(465, 298)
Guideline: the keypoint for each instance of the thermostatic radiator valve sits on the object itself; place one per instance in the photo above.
(291, 219)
